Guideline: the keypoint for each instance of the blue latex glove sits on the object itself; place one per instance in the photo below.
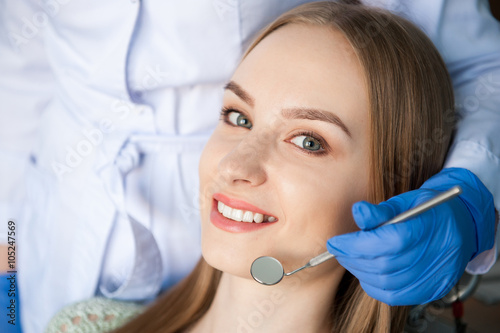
(421, 259)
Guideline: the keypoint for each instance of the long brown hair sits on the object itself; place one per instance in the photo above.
(411, 116)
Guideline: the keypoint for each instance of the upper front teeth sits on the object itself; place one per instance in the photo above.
(242, 216)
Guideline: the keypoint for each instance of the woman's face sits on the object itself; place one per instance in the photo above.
(291, 149)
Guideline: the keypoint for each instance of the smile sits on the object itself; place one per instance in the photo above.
(238, 216)
(243, 215)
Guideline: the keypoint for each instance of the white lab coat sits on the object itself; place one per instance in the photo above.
(107, 106)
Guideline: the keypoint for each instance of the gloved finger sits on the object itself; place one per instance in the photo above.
(393, 298)
(369, 216)
(424, 290)
(392, 282)
(433, 269)
(384, 241)
(411, 295)
(381, 265)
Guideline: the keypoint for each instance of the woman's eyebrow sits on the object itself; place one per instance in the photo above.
(292, 113)
(315, 114)
(240, 92)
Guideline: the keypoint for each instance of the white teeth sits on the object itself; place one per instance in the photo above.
(247, 217)
(227, 211)
(237, 215)
(242, 216)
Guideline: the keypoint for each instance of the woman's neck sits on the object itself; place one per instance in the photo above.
(300, 303)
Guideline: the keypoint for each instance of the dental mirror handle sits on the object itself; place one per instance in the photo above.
(423, 207)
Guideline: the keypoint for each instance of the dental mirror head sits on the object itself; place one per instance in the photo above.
(267, 270)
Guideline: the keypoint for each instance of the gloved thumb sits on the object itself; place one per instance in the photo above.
(369, 216)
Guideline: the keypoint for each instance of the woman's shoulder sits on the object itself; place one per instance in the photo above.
(93, 315)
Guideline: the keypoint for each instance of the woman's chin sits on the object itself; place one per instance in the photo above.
(234, 266)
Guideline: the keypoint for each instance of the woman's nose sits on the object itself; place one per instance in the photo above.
(245, 163)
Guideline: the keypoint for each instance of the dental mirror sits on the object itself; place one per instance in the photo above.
(269, 271)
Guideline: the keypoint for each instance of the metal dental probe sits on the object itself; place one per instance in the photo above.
(269, 271)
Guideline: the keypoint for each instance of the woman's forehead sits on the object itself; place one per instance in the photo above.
(305, 54)
(306, 66)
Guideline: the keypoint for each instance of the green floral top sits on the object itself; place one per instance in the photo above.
(96, 315)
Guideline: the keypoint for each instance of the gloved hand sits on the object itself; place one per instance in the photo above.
(421, 259)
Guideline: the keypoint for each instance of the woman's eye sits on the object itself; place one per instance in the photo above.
(307, 142)
(238, 119)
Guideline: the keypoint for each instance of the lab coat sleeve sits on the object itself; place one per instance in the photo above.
(468, 37)
(26, 86)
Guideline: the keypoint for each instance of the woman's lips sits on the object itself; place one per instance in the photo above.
(231, 225)
(239, 204)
